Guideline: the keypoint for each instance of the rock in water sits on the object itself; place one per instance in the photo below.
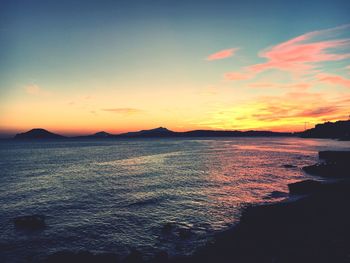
(289, 166)
(184, 233)
(304, 187)
(31, 222)
(335, 156)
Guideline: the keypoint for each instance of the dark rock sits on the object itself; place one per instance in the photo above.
(276, 194)
(335, 170)
(289, 166)
(167, 228)
(81, 256)
(184, 233)
(304, 187)
(335, 156)
(314, 228)
(31, 222)
(107, 258)
(160, 257)
(134, 257)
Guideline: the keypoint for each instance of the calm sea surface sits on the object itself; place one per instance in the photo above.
(111, 196)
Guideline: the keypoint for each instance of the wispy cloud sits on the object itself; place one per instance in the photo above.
(226, 53)
(301, 54)
(280, 112)
(124, 111)
(333, 79)
(300, 106)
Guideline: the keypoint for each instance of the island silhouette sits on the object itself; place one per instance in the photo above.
(334, 130)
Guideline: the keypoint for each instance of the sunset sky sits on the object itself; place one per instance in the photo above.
(79, 67)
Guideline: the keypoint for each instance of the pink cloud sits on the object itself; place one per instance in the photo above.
(294, 55)
(334, 79)
(226, 53)
(299, 55)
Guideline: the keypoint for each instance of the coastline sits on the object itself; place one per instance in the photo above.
(311, 225)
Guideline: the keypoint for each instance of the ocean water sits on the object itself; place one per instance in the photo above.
(114, 195)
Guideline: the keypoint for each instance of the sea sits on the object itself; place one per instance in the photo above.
(151, 195)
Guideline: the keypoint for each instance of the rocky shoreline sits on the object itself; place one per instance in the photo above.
(312, 225)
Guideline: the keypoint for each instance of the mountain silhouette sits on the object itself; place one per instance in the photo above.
(335, 130)
(38, 134)
(101, 134)
(157, 132)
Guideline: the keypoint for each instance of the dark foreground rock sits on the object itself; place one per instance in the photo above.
(305, 187)
(81, 256)
(335, 165)
(276, 194)
(330, 170)
(288, 166)
(30, 222)
(335, 156)
(313, 228)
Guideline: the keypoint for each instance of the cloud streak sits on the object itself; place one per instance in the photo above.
(299, 55)
(281, 112)
(226, 53)
(333, 79)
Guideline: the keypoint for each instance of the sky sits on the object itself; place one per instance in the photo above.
(82, 66)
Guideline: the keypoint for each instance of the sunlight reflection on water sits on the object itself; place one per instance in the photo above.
(113, 195)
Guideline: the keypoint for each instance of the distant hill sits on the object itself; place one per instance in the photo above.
(164, 132)
(35, 134)
(334, 130)
(102, 134)
(210, 133)
(97, 135)
(157, 132)
(152, 133)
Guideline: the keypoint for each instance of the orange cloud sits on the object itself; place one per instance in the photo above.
(226, 53)
(334, 79)
(276, 113)
(299, 106)
(286, 112)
